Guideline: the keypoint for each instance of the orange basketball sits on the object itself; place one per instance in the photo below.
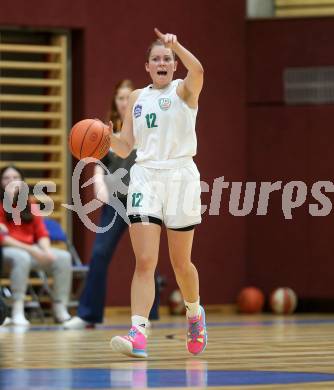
(250, 300)
(89, 138)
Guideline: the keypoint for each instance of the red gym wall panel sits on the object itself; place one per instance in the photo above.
(289, 143)
(110, 40)
(273, 45)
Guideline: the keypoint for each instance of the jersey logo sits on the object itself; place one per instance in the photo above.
(137, 110)
(165, 103)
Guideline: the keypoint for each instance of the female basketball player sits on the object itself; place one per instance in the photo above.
(164, 187)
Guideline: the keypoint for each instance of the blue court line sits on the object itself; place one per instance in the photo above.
(250, 323)
(9, 329)
(28, 379)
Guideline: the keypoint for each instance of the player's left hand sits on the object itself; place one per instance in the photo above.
(169, 40)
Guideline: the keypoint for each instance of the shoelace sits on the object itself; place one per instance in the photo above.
(195, 328)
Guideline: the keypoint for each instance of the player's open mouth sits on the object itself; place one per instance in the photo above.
(162, 72)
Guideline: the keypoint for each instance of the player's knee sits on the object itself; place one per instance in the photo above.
(145, 263)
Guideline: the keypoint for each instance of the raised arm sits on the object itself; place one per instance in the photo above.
(190, 89)
(122, 145)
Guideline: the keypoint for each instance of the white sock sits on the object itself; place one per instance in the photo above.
(60, 312)
(141, 323)
(192, 308)
(18, 316)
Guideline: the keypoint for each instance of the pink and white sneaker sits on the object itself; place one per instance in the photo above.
(197, 335)
(134, 344)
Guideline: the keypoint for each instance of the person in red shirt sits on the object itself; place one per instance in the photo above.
(26, 246)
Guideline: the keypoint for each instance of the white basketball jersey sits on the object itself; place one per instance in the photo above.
(164, 128)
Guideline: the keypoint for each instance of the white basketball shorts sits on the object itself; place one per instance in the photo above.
(171, 195)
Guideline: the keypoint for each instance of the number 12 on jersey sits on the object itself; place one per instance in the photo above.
(150, 120)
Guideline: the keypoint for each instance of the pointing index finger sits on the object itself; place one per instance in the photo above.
(159, 34)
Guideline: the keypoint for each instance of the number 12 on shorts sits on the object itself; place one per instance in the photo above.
(137, 197)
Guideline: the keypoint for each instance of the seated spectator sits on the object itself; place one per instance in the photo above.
(26, 247)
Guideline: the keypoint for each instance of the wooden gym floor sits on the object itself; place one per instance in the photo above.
(243, 352)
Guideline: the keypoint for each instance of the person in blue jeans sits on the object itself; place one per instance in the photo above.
(3, 308)
(92, 299)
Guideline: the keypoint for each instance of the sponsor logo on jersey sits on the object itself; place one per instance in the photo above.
(165, 103)
(137, 110)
